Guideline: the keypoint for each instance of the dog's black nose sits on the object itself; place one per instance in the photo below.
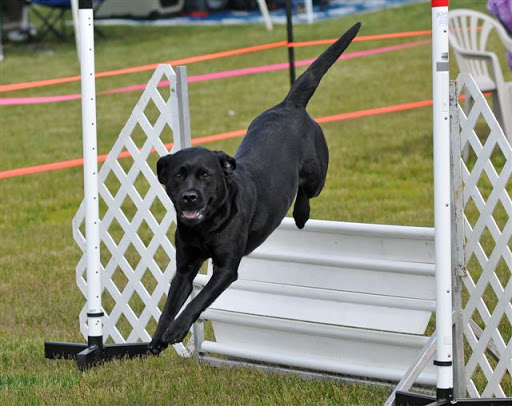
(189, 197)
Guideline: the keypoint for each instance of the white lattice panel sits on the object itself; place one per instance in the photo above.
(136, 215)
(487, 309)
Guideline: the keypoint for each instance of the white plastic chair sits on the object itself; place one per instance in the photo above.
(469, 32)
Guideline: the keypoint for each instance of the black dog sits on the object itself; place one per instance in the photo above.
(226, 207)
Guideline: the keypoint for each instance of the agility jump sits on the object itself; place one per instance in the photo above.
(96, 350)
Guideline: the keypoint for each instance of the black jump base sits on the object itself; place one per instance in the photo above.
(413, 399)
(94, 352)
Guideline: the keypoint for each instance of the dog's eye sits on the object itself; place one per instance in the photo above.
(179, 175)
(204, 175)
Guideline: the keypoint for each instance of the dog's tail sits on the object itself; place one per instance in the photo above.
(306, 84)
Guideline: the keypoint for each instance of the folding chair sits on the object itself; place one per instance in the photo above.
(469, 31)
(53, 19)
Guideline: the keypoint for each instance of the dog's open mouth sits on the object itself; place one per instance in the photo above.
(192, 215)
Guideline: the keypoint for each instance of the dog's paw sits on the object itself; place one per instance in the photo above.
(300, 223)
(301, 210)
(156, 346)
(176, 332)
(300, 220)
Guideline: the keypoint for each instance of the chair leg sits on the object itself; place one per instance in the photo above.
(100, 33)
(497, 109)
(505, 118)
(62, 23)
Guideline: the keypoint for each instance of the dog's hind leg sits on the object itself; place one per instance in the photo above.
(311, 182)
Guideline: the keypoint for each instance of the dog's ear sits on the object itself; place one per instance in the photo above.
(162, 168)
(227, 163)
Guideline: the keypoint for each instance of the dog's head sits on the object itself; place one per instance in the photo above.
(196, 179)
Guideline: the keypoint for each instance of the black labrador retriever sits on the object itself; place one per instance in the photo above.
(226, 207)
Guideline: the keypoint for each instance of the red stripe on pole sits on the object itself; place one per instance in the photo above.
(440, 3)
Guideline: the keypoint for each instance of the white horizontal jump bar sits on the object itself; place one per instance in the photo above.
(325, 294)
(378, 230)
(316, 329)
(382, 265)
(312, 363)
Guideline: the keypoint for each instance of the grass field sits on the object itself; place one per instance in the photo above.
(381, 172)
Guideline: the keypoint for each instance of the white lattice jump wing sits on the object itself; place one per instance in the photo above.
(487, 234)
(136, 216)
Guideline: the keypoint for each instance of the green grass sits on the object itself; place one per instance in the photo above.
(381, 172)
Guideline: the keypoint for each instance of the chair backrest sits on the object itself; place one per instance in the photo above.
(469, 32)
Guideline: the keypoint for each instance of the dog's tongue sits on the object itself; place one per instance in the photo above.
(190, 214)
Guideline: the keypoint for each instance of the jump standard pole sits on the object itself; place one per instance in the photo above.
(442, 224)
(95, 351)
(289, 41)
(442, 204)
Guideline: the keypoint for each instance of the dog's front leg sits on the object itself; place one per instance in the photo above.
(179, 291)
(219, 282)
